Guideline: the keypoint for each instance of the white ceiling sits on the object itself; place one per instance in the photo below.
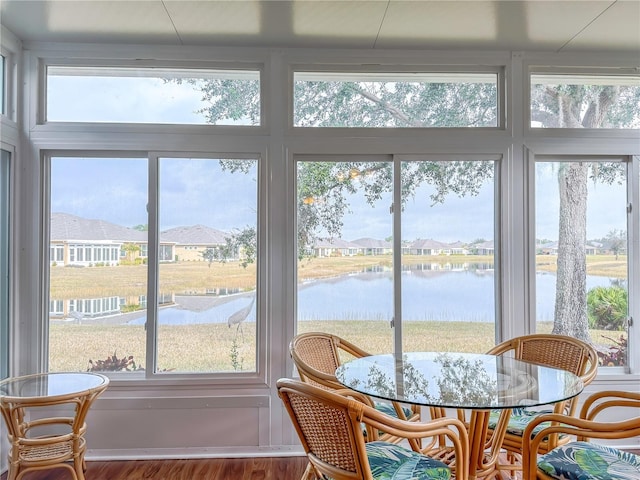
(534, 25)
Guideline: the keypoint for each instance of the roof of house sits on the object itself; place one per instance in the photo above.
(429, 243)
(372, 243)
(65, 226)
(334, 243)
(194, 235)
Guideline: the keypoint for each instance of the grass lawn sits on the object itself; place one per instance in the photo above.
(210, 347)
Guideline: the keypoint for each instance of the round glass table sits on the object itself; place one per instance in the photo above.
(477, 382)
(38, 440)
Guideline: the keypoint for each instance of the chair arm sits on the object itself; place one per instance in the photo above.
(581, 428)
(600, 401)
(451, 428)
(361, 397)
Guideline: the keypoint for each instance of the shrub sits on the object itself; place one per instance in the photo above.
(607, 308)
(114, 364)
(613, 356)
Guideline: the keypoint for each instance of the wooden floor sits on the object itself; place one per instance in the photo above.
(277, 468)
(281, 468)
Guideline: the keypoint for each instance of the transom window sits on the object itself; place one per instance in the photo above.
(151, 95)
(400, 100)
(585, 101)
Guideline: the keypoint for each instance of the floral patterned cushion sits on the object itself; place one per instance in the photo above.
(590, 461)
(386, 407)
(393, 462)
(519, 420)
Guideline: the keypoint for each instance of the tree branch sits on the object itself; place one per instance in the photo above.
(395, 112)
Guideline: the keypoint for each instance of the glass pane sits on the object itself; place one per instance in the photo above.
(208, 276)
(345, 282)
(98, 226)
(152, 95)
(417, 100)
(585, 101)
(581, 254)
(5, 159)
(448, 256)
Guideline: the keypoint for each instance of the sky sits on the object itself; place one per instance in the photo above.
(197, 191)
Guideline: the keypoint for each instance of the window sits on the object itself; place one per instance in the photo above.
(95, 204)
(152, 95)
(436, 285)
(582, 254)
(405, 100)
(585, 101)
(5, 159)
(204, 319)
(207, 295)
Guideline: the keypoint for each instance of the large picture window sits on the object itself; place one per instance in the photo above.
(442, 293)
(204, 320)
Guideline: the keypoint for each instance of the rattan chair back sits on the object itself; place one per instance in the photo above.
(556, 351)
(316, 355)
(329, 425)
(329, 428)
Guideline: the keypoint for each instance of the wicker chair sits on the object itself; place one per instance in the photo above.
(317, 355)
(329, 427)
(581, 458)
(556, 351)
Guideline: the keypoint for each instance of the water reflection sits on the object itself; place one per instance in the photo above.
(452, 379)
(431, 291)
(458, 380)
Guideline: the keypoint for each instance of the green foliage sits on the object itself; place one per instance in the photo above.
(585, 106)
(607, 308)
(323, 187)
(130, 307)
(394, 104)
(236, 359)
(131, 251)
(209, 255)
(616, 240)
(240, 244)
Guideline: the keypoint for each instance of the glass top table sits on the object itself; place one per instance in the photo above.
(458, 380)
(51, 384)
(476, 382)
(26, 405)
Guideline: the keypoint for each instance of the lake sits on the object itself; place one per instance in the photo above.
(461, 295)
